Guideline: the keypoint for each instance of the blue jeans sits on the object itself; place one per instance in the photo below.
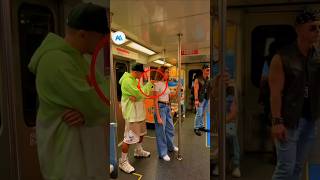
(165, 131)
(293, 153)
(199, 115)
(232, 141)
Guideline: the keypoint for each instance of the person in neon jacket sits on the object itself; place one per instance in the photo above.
(71, 119)
(134, 113)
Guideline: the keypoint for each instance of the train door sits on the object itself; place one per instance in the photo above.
(121, 66)
(34, 21)
(262, 29)
(7, 165)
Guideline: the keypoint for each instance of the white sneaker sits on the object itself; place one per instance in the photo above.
(111, 168)
(141, 153)
(166, 157)
(236, 173)
(183, 116)
(175, 149)
(125, 166)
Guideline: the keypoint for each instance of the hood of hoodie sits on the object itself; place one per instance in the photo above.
(124, 76)
(51, 42)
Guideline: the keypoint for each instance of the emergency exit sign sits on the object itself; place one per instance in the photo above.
(186, 52)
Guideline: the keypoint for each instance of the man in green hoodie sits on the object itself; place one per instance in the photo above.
(71, 117)
(134, 113)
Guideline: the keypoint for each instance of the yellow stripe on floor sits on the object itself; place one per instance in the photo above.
(139, 175)
(151, 137)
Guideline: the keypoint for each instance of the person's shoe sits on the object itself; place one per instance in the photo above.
(125, 166)
(183, 116)
(204, 129)
(175, 149)
(111, 168)
(166, 158)
(197, 132)
(141, 153)
(236, 172)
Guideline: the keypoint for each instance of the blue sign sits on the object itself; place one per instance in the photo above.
(119, 37)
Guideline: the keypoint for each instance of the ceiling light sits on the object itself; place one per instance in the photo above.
(138, 47)
(168, 65)
(159, 62)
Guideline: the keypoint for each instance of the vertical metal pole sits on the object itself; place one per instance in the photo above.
(179, 97)
(212, 100)
(222, 124)
(163, 55)
(113, 99)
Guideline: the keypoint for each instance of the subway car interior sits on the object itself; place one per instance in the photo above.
(182, 35)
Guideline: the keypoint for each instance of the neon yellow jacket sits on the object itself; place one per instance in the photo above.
(133, 112)
(61, 81)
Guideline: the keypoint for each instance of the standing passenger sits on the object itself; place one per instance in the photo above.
(231, 130)
(295, 98)
(134, 113)
(71, 145)
(163, 120)
(201, 99)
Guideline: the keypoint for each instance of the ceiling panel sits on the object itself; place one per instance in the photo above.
(156, 23)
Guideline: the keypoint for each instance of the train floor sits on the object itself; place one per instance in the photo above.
(195, 164)
(253, 167)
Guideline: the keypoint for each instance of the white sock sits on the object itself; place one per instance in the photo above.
(139, 147)
(124, 156)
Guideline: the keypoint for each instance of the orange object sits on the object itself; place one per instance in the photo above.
(149, 105)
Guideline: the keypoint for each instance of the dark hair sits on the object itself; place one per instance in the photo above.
(159, 76)
(306, 16)
(137, 67)
(205, 66)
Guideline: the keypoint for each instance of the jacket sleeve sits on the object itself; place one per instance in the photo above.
(63, 83)
(129, 88)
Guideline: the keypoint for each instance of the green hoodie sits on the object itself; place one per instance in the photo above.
(133, 112)
(61, 82)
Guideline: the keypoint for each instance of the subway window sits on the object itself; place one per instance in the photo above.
(34, 24)
(265, 40)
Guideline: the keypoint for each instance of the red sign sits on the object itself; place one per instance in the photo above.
(189, 52)
(122, 50)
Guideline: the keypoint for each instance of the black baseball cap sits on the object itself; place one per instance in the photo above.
(307, 16)
(137, 67)
(89, 17)
(205, 66)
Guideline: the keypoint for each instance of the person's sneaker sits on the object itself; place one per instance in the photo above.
(175, 149)
(197, 132)
(141, 153)
(111, 168)
(236, 172)
(204, 129)
(183, 116)
(125, 166)
(166, 158)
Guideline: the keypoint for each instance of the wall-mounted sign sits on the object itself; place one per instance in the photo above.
(118, 37)
(125, 53)
(186, 52)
